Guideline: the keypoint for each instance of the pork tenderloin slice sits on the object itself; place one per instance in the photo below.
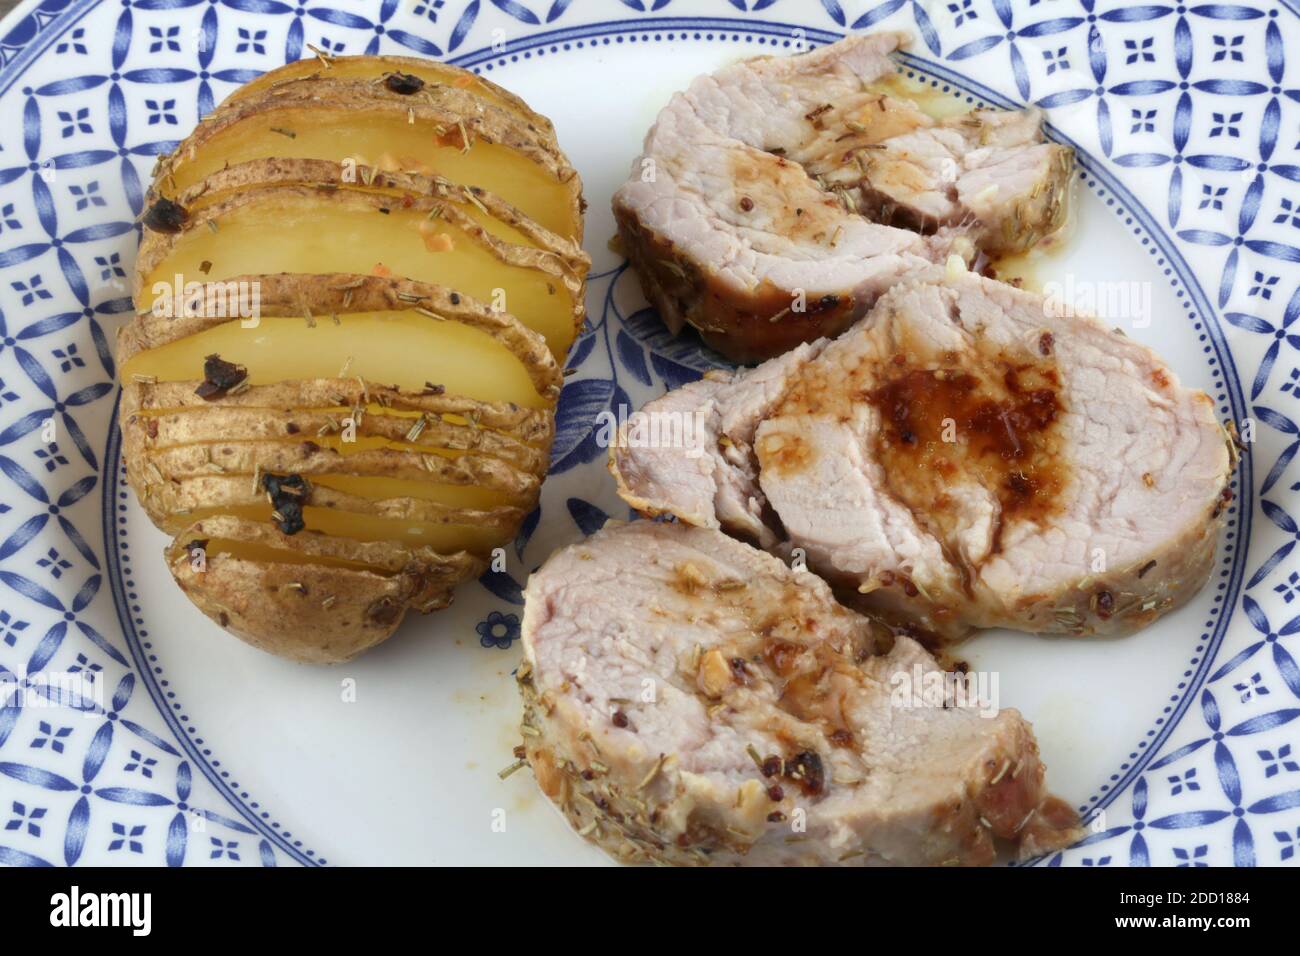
(971, 455)
(763, 209)
(746, 248)
(689, 699)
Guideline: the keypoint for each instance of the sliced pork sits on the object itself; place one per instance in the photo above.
(970, 455)
(689, 699)
(764, 209)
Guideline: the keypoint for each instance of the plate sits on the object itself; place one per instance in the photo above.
(132, 731)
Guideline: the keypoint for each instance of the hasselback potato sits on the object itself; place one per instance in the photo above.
(356, 286)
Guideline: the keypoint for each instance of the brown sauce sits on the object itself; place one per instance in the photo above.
(996, 426)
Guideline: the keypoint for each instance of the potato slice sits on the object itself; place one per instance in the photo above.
(174, 504)
(405, 349)
(218, 422)
(313, 458)
(328, 119)
(478, 540)
(401, 178)
(351, 232)
(343, 395)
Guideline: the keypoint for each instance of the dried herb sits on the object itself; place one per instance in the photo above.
(219, 377)
(287, 494)
(403, 83)
(165, 216)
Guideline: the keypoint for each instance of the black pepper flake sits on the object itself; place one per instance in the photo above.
(431, 389)
(776, 816)
(1145, 568)
(771, 766)
(807, 771)
(219, 377)
(287, 492)
(198, 544)
(403, 83)
(455, 298)
(165, 216)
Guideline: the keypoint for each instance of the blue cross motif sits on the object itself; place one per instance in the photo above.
(1186, 781)
(1276, 762)
(225, 848)
(73, 43)
(1254, 687)
(1140, 50)
(47, 735)
(10, 628)
(25, 819)
(1228, 48)
(75, 122)
(1288, 587)
(143, 765)
(1194, 858)
(1288, 842)
(167, 38)
(127, 837)
(251, 40)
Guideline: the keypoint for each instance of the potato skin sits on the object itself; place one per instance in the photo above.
(314, 613)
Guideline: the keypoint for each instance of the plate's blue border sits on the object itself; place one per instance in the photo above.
(704, 29)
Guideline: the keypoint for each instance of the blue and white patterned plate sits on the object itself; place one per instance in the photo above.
(180, 745)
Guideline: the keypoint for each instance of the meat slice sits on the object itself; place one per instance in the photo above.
(764, 209)
(689, 699)
(970, 455)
